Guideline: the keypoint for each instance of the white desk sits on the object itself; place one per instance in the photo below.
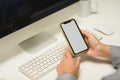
(91, 69)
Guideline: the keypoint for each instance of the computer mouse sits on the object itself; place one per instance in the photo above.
(104, 30)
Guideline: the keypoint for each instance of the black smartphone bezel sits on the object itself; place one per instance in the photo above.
(69, 41)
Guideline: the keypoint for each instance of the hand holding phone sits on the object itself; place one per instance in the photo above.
(74, 37)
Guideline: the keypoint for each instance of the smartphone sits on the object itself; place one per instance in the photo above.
(74, 37)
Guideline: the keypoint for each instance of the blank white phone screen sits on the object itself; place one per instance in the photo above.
(74, 36)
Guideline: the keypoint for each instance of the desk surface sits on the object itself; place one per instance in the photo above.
(90, 69)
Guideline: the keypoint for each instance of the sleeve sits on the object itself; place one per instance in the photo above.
(115, 56)
(115, 59)
(67, 77)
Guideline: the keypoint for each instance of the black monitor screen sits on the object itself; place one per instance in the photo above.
(16, 14)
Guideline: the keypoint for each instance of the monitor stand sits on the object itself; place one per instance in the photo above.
(39, 41)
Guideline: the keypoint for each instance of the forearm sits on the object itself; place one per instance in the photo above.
(110, 52)
(67, 77)
(104, 51)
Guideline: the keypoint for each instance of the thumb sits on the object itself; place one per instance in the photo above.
(77, 63)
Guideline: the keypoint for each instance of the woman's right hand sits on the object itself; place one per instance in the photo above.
(96, 48)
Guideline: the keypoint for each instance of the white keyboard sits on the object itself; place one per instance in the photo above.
(42, 64)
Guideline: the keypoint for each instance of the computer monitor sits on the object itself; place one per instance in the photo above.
(22, 19)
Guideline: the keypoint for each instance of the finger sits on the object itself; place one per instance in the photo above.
(67, 54)
(64, 56)
(60, 66)
(59, 70)
(77, 63)
(62, 61)
(86, 37)
(87, 41)
(57, 67)
(86, 34)
(66, 51)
